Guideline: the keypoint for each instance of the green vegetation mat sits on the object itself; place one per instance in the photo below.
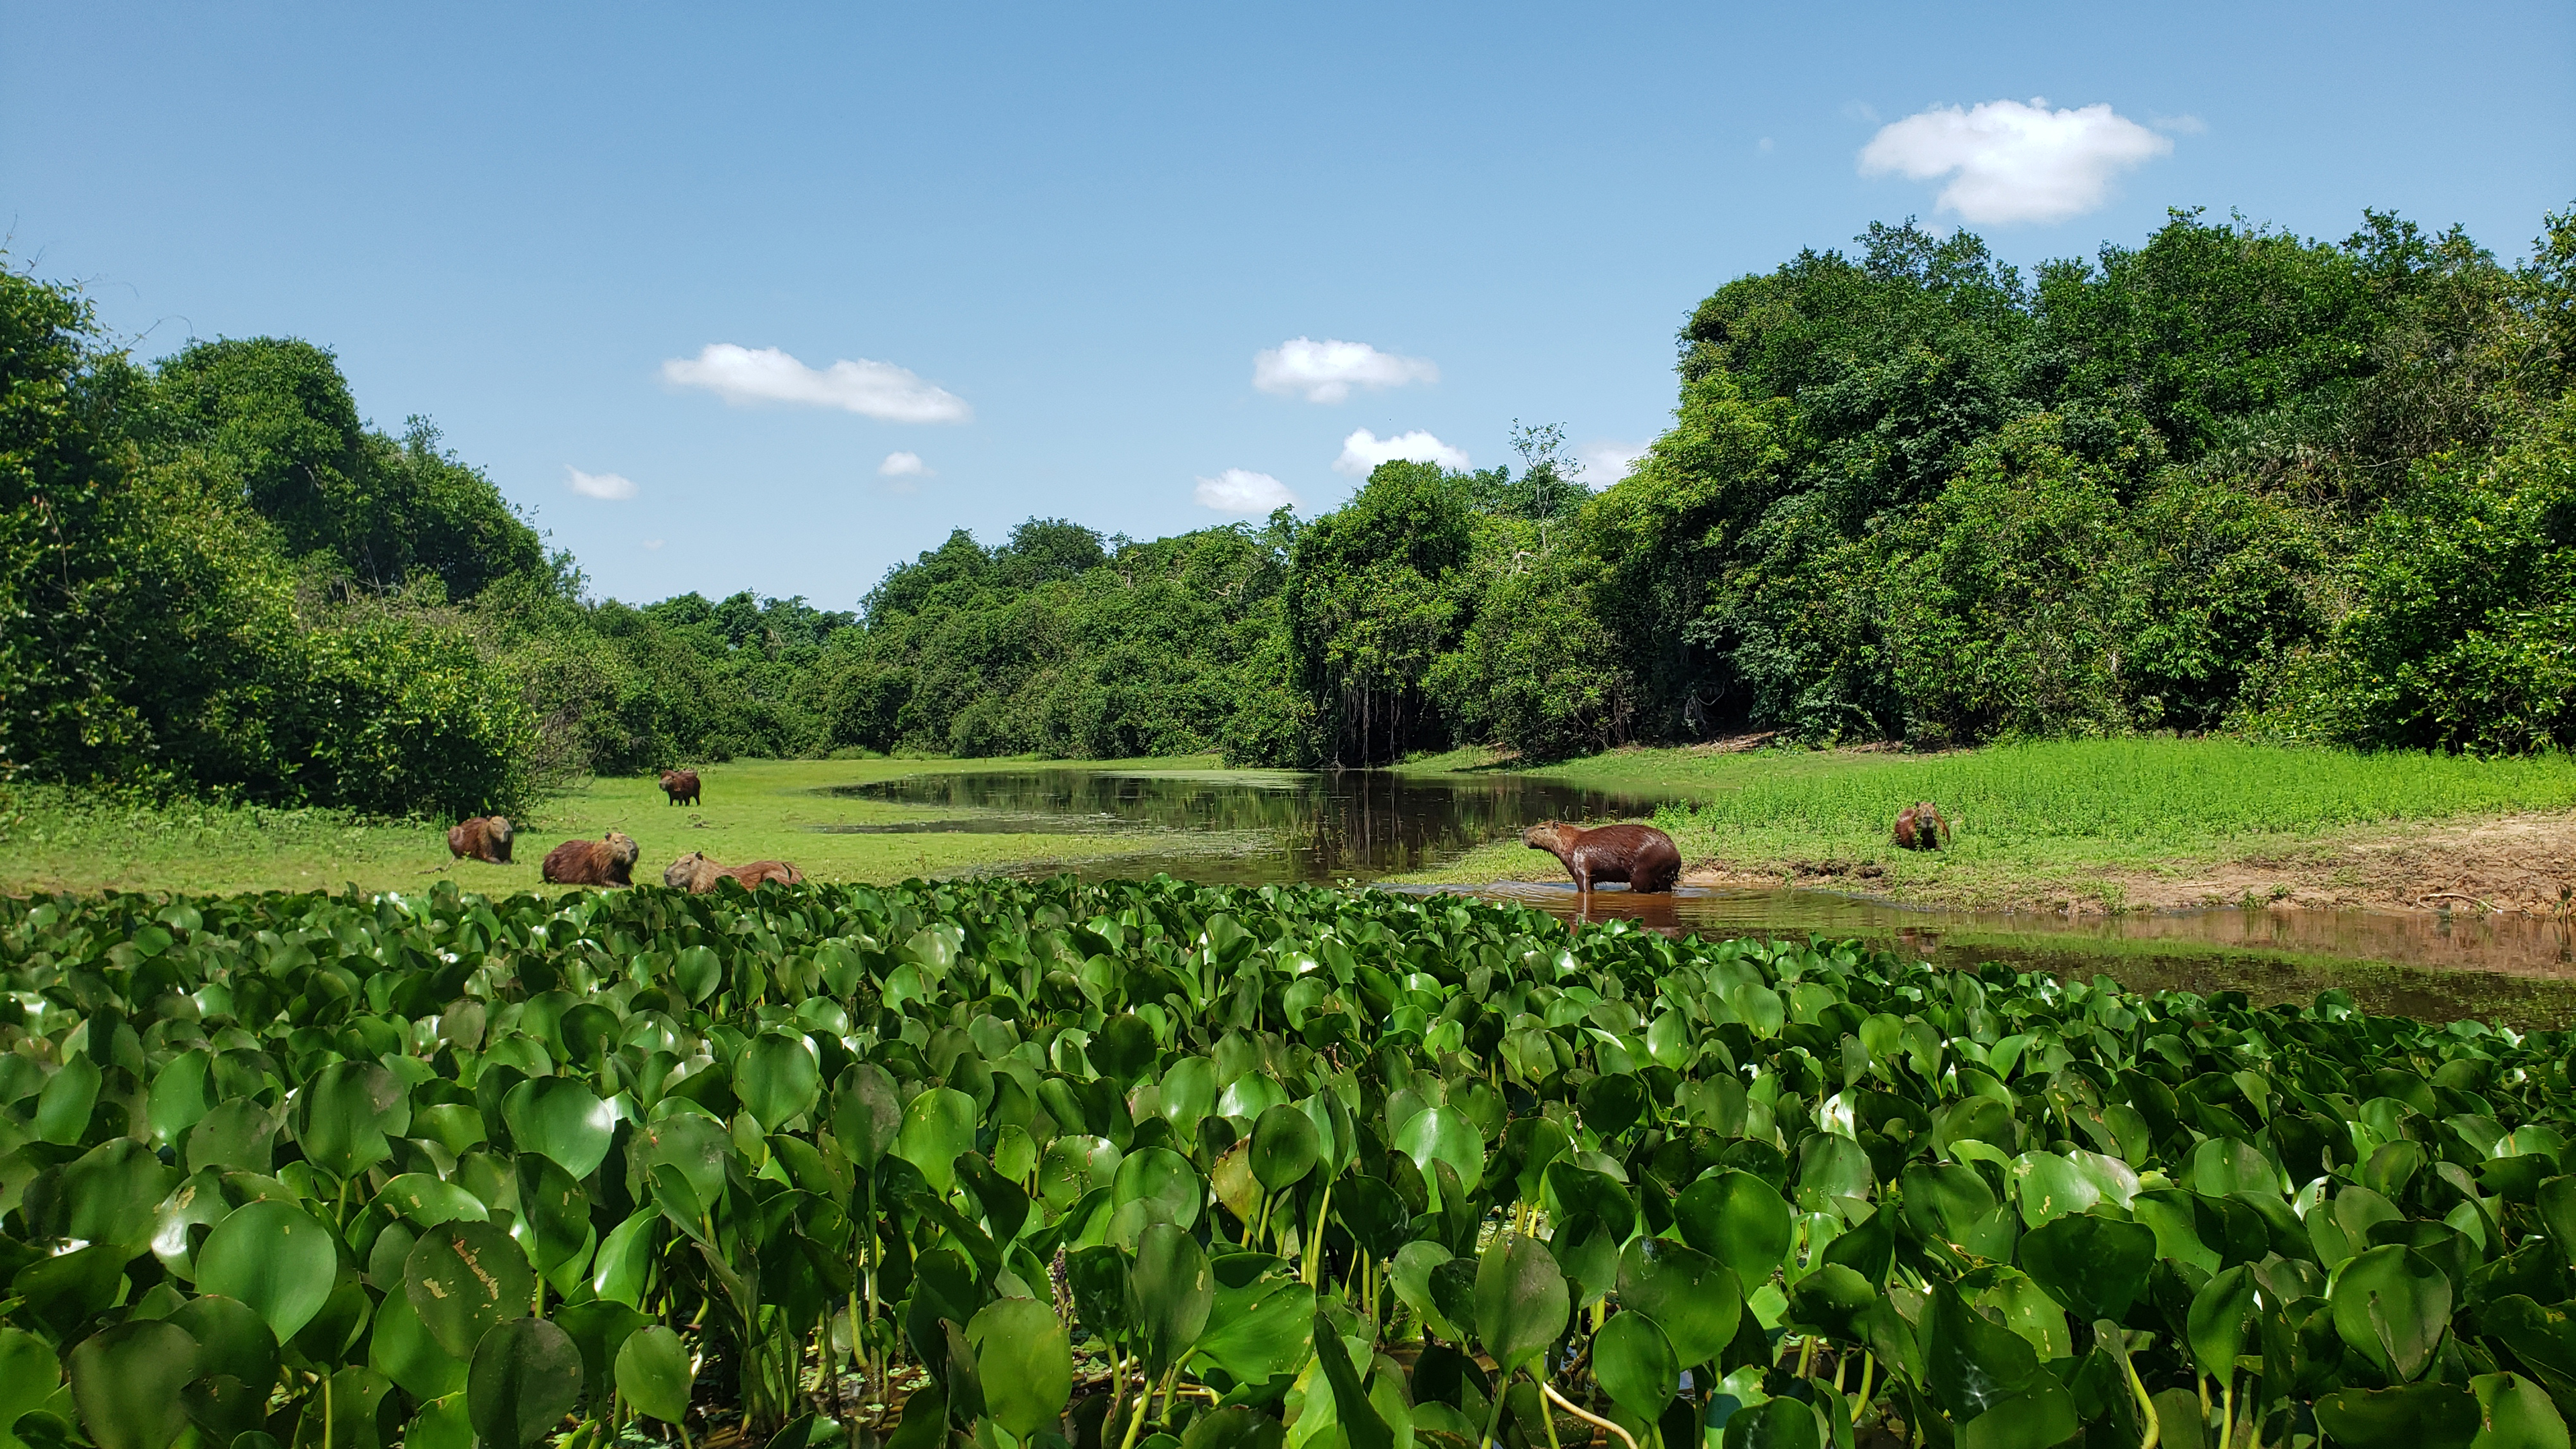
(1040, 1163)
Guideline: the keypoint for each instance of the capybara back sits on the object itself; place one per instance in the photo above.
(606, 861)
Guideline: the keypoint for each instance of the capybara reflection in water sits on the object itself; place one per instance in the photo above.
(1641, 855)
(698, 875)
(681, 786)
(485, 837)
(607, 861)
(1919, 826)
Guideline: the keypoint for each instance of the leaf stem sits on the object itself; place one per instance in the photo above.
(1578, 1411)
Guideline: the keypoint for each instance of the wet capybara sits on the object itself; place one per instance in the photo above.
(1641, 855)
(606, 861)
(681, 786)
(485, 837)
(698, 875)
(1919, 826)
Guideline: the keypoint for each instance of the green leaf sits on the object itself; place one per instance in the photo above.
(1739, 1220)
(29, 1375)
(1634, 1363)
(1163, 1178)
(654, 1373)
(560, 1119)
(112, 1193)
(1285, 1147)
(2413, 1416)
(2515, 1413)
(1521, 1301)
(1025, 1364)
(126, 1381)
(866, 1114)
(1411, 1276)
(1774, 1423)
(1696, 1301)
(182, 1094)
(2391, 1306)
(2222, 1314)
(346, 1113)
(1259, 1330)
(400, 1347)
(1172, 1294)
(525, 1377)
(425, 1202)
(937, 1127)
(464, 1279)
(777, 1077)
(274, 1257)
(1971, 1362)
(63, 1107)
(2036, 1418)
(2093, 1266)
(440, 1424)
(1443, 1134)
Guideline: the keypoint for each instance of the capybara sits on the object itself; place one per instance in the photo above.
(1919, 826)
(681, 786)
(607, 861)
(485, 837)
(1641, 855)
(698, 875)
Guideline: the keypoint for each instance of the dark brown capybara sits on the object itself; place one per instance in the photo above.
(485, 837)
(1641, 855)
(1919, 826)
(698, 875)
(608, 861)
(681, 786)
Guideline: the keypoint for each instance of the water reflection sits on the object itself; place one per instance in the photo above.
(1249, 828)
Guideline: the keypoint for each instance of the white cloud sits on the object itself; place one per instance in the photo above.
(1240, 490)
(1326, 371)
(1364, 450)
(2010, 162)
(610, 486)
(653, 543)
(900, 464)
(873, 389)
(1606, 463)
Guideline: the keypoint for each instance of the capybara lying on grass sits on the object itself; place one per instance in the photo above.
(1919, 826)
(485, 837)
(681, 786)
(698, 875)
(607, 861)
(1641, 855)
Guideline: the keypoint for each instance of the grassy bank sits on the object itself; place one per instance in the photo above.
(53, 839)
(2100, 824)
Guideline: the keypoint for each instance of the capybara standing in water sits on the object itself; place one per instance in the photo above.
(1919, 826)
(698, 875)
(607, 861)
(485, 837)
(681, 786)
(1641, 855)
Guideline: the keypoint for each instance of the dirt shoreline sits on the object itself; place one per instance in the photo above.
(2508, 865)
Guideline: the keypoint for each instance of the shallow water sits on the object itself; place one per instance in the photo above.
(1252, 828)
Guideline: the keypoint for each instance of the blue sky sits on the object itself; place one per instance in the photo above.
(1052, 241)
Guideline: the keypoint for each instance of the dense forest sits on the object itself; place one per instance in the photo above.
(2228, 480)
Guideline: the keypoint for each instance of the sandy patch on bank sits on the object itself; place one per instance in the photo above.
(2516, 864)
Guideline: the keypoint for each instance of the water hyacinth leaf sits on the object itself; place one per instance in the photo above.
(1635, 1364)
(2222, 1315)
(113, 1192)
(2410, 1416)
(2391, 1306)
(182, 1095)
(525, 1377)
(1234, 1427)
(237, 1134)
(560, 1119)
(1831, 1299)
(400, 1347)
(937, 1127)
(1410, 1275)
(1781, 1423)
(1362, 1425)
(1189, 1094)
(345, 1115)
(273, 1257)
(1173, 1292)
(63, 1107)
(697, 972)
(2516, 1413)
(1025, 1363)
(654, 1373)
(1739, 1220)
(1971, 1362)
(1164, 1179)
(1443, 1134)
(1123, 1048)
(440, 1424)
(1285, 1147)
(778, 1077)
(1259, 1330)
(1521, 1301)
(2035, 1418)
(29, 1374)
(2094, 1267)
(464, 1279)
(425, 1202)
(126, 1381)
(1690, 1296)
(1611, 1105)
(866, 1115)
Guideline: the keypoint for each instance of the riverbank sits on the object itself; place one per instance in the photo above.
(53, 839)
(2097, 826)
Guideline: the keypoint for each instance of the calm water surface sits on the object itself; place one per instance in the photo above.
(1251, 828)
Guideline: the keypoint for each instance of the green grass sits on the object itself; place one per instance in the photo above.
(2033, 821)
(53, 839)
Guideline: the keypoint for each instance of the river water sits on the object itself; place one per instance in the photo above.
(1250, 828)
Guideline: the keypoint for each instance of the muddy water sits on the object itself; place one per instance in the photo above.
(1251, 828)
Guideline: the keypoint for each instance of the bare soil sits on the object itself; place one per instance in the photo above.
(2515, 865)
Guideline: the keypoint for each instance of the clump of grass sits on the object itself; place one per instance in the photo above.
(2134, 789)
